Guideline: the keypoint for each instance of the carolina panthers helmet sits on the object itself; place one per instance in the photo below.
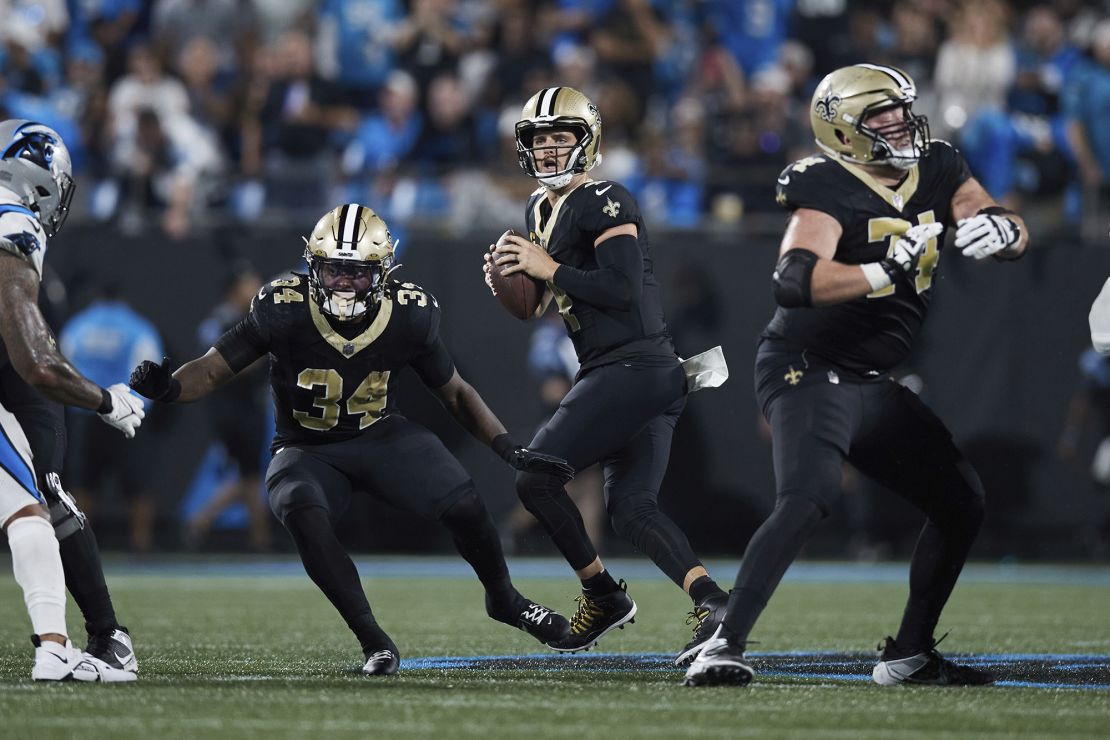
(35, 165)
(349, 241)
(847, 96)
(559, 108)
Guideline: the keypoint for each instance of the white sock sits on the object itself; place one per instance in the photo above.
(38, 571)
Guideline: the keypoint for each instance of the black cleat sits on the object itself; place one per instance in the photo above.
(114, 647)
(928, 668)
(596, 616)
(382, 662)
(546, 625)
(708, 616)
(719, 663)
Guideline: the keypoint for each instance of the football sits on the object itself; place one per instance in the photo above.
(519, 293)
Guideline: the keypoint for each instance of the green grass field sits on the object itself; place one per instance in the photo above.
(265, 656)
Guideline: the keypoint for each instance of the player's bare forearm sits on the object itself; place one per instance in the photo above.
(469, 409)
(835, 282)
(203, 375)
(31, 346)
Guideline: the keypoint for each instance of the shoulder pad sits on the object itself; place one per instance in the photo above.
(605, 204)
(804, 183)
(411, 295)
(283, 291)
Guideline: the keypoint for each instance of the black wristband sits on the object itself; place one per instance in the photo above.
(893, 270)
(171, 395)
(503, 445)
(105, 402)
(994, 211)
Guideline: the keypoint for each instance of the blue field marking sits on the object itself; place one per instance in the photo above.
(630, 569)
(1038, 671)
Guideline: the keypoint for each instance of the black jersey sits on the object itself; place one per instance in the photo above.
(876, 332)
(567, 230)
(331, 381)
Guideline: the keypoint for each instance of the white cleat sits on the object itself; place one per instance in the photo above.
(114, 648)
(720, 663)
(56, 662)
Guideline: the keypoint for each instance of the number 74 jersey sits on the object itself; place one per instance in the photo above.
(331, 381)
(875, 332)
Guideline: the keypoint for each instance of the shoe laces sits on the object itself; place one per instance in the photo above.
(697, 617)
(588, 610)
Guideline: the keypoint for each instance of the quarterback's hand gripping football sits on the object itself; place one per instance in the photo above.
(154, 381)
(909, 248)
(986, 234)
(127, 411)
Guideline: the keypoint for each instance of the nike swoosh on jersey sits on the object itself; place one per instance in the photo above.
(602, 191)
(784, 180)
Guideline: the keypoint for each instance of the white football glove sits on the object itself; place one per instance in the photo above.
(986, 234)
(909, 248)
(127, 410)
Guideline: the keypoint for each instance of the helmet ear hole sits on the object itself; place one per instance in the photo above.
(841, 136)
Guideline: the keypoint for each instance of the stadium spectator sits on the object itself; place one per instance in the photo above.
(1032, 127)
(1085, 104)
(385, 137)
(356, 45)
(161, 170)
(228, 24)
(980, 42)
(104, 341)
(237, 414)
(291, 116)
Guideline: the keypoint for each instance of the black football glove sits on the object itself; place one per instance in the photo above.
(155, 381)
(530, 461)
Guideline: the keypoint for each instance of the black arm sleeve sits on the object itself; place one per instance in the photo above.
(434, 366)
(618, 281)
(243, 343)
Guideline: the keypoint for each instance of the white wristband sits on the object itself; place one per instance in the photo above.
(875, 275)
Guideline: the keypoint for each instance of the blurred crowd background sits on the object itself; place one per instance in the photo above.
(185, 113)
(208, 135)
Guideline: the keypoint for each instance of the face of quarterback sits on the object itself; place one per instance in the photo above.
(552, 149)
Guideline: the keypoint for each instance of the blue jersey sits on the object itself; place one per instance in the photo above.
(360, 34)
(107, 340)
(1086, 100)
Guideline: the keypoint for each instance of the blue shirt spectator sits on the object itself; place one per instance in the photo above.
(752, 30)
(108, 339)
(356, 37)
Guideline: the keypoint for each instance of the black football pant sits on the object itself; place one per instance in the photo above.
(403, 464)
(623, 417)
(820, 417)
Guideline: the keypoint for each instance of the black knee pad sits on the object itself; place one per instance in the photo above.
(534, 488)
(466, 509)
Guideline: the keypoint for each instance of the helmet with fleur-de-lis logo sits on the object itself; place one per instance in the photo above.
(847, 97)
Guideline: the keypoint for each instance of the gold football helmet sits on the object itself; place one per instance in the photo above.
(559, 108)
(844, 100)
(350, 255)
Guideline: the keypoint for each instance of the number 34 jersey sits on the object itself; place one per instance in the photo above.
(876, 332)
(331, 381)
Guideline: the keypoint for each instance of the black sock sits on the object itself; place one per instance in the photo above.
(85, 580)
(600, 584)
(704, 588)
(331, 569)
(478, 542)
(773, 548)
